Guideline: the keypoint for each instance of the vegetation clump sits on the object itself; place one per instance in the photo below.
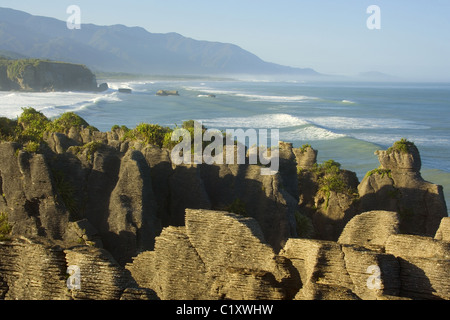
(305, 147)
(67, 121)
(152, 134)
(89, 149)
(30, 126)
(237, 207)
(403, 146)
(5, 227)
(7, 129)
(380, 171)
(32, 147)
(331, 179)
(16, 68)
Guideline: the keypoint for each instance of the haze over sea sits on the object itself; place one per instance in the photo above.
(345, 121)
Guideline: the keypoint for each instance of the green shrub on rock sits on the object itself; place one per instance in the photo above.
(331, 179)
(89, 148)
(5, 227)
(31, 125)
(7, 129)
(32, 147)
(403, 146)
(149, 134)
(67, 121)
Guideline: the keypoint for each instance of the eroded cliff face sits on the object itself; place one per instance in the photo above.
(219, 255)
(100, 201)
(128, 191)
(45, 76)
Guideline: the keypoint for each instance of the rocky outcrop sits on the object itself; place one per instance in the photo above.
(38, 269)
(398, 186)
(327, 194)
(29, 194)
(330, 197)
(101, 201)
(165, 93)
(217, 255)
(220, 255)
(128, 191)
(343, 271)
(443, 232)
(399, 267)
(306, 157)
(44, 76)
(370, 229)
(424, 266)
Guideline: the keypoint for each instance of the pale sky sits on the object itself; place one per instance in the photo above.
(327, 35)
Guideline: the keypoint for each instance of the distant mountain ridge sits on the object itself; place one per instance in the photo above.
(119, 48)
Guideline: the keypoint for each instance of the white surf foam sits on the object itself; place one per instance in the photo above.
(251, 96)
(283, 99)
(349, 123)
(291, 128)
(265, 121)
(389, 139)
(135, 86)
(52, 103)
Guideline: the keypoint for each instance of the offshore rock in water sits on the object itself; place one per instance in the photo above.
(165, 93)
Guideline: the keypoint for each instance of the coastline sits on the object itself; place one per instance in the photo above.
(236, 98)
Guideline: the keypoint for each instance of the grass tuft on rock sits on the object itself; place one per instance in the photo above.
(403, 146)
(5, 227)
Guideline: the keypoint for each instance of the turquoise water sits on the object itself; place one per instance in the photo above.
(346, 122)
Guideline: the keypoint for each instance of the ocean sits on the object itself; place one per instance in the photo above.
(344, 121)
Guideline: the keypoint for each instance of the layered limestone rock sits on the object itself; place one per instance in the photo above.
(398, 186)
(174, 269)
(32, 270)
(38, 269)
(260, 197)
(100, 276)
(327, 194)
(363, 266)
(132, 215)
(218, 255)
(322, 269)
(29, 195)
(424, 266)
(305, 157)
(370, 229)
(103, 201)
(143, 188)
(443, 232)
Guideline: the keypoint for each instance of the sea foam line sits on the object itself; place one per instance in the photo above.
(293, 128)
(51, 103)
(251, 96)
